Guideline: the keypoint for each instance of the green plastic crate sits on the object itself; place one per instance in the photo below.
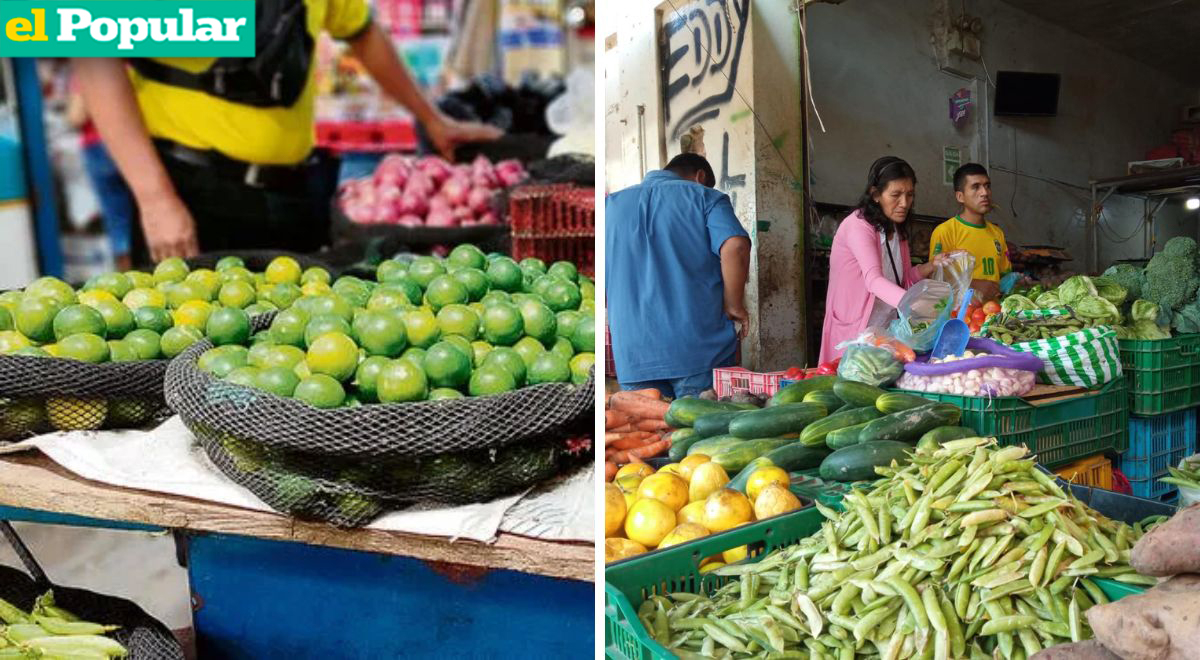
(1058, 432)
(1163, 375)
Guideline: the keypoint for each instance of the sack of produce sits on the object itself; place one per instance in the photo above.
(872, 360)
(985, 369)
(1086, 358)
(1160, 623)
(922, 311)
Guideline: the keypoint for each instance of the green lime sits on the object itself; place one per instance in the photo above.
(288, 327)
(320, 391)
(35, 318)
(52, 288)
(283, 270)
(562, 295)
(401, 381)
(194, 313)
(235, 274)
(462, 345)
(10, 299)
(120, 350)
(118, 320)
(153, 318)
(384, 298)
(414, 354)
(510, 360)
(540, 322)
(259, 351)
(286, 356)
(208, 281)
(390, 270)
(533, 263)
(479, 351)
(327, 304)
(529, 349)
(228, 325)
(562, 347)
(6, 321)
(467, 256)
(182, 292)
(381, 333)
(443, 393)
(527, 279)
(446, 365)
(491, 379)
(177, 339)
(549, 368)
(366, 377)
(278, 380)
(221, 360)
(445, 290)
(584, 337)
(315, 274)
(78, 319)
(33, 351)
(542, 284)
(322, 324)
(85, 347)
(406, 285)
(334, 354)
(230, 261)
(353, 290)
(587, 288)
(505, 274)
(173, 269)
(567, 320)
(283, 295)
(422, 270)
(146, 343)
(422, 328)
(503, 324)
(12, 341)
(237, 294)
(245, 376)
(565, 270)
(140, 280)
(475, 280)
(117, 284)
(260, 307)
(458, 319)
(493, 297)
(143, 297)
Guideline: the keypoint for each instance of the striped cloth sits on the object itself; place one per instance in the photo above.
(1088, 358)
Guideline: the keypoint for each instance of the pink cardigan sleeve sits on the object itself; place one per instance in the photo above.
(864, 245)
(912, 276)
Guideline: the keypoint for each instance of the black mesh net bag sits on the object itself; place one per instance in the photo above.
(141, 634)
(39, 394)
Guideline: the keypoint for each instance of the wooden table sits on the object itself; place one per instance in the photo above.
(264, 583)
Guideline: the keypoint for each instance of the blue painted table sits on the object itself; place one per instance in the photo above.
(267, 586)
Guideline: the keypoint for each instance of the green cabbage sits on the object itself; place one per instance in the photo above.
(1148, 330)
(1016, 303)
(1076, 289)
(1098, 309)
(1048, 300)
(1144, 310)
(1110, 290)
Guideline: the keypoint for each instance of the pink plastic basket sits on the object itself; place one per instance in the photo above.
(728, 381)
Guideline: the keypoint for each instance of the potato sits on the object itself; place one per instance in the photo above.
(1171, 548)
(1160, 624)
(1087, 650)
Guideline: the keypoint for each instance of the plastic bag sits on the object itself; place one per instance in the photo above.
(872, 359)
(923, 310)
(986, 369)
(1188, 496)
(955, 268)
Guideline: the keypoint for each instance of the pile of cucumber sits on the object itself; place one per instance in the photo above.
(845, 428)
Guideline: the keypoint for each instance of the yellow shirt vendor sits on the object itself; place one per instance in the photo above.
(970, 231)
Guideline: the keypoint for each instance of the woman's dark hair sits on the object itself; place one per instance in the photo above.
(884, 171)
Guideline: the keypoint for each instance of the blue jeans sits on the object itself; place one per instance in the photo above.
(677, 388)
(116, 202)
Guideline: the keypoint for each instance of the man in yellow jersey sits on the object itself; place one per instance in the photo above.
(970, 231)
(219, 153)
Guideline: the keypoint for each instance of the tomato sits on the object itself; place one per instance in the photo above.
(978, 316)
(794, 373)
(991, 307)
(828, 368)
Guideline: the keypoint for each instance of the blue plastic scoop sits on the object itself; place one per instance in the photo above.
(954, 334)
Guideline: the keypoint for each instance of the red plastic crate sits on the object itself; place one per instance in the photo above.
(610, 365)
(368, 136)
(728, 381)
(554, 222)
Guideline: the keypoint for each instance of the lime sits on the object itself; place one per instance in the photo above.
(467, 256)
(493, 297)
(74, 414)
(445, 290)
(245, 376)
(584, 337)
(533, 263)
(422, 328)
(406, 285)
(288, 327)
(52, 288)
(315, 289)
(505, 274)
(235, 274)
(260, 307)
(78, 319)
(422, 270)
(146, 343)
(402, 380)
(285, 356)
(10, 299)
(207, 281)
(182, 292)
(280, 381)
(390, 270)
(503, 324)
(320, 391)
(315, 274)
(562, 347)
(478, 308)
(35, 318)
(549, 368)
(259, 351)
(567, 320)
(33, 351)
(118, 284)
(140, 280)
(458, 319)
(475, 280)
(462, 345)
(381, 333)
(479, 351)
(327, 304)
(562, 295)
(366, 377)
(283, 270)
(230, 261)
(12, 341)
(527, 279)
(6, 322)
(194, 313)
(414, 354)
(85, 347)
(173, 269)
(228, 325)
(353, 290)
(443, 393)
(221, 360)
(384, 298)
(491, 379)
(541, 284)
(565, 270)
(282, 295)
(301, 369)
(177, 339)
(237, 294)
(334, 354)
(587, 288)
(446, 365)
(322, 324)
(529, 349)
(118, 320)
(510, 360)
(140, 297)
(540, 322)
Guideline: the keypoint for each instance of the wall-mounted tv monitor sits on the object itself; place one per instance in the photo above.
(1022, 94)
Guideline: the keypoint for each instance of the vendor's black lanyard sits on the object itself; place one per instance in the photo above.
(887, 244)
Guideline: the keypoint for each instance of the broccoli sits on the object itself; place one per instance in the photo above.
(1128, 276)
(1171, 280)
(1182, 246)
(1187, 319)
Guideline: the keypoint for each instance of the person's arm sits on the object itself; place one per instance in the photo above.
(108, 94)
(735, 270)
(77, 114)
(375, 50)
(987, 289)
(864, 245)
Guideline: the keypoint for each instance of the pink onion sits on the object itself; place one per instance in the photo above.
(480, 199)
(455, 189)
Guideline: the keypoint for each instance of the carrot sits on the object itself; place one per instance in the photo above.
(632, 440)
(645, 451)
(615, 418)
(610, 470)
(638, 406)
(624, 428)
(651, 425)
(649, 393)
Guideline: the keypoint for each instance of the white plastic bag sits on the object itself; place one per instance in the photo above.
(1188, 496)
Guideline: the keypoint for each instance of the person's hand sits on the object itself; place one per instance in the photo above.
(170, 230)
(741, 319)
(987, 290)
(447, 134)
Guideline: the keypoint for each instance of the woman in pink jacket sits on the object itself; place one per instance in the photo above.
(869, 267)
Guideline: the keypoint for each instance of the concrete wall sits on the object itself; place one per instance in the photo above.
(679, 65)
(878, 87)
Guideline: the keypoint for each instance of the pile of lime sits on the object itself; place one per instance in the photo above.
(429, 328)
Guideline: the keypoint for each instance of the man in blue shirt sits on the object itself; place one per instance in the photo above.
(676, 262)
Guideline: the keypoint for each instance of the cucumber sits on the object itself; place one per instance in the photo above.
(739, 481)
(713, 445)
(684, 412)
(909, 425)
(936, 437)
(825, 398)
(680, 441)
(715, 423)
(844, 437)
(857, 394)
(784, 419)
(857, 462)
(894, 402)
(795, 456)
(796, 392)
(739, 456)
(814, 434)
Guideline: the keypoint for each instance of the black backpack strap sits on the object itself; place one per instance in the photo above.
(168, 75)
(23, 553)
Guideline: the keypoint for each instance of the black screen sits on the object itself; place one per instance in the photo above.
(1023, 94)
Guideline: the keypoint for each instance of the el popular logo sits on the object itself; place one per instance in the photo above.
(127, 28)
